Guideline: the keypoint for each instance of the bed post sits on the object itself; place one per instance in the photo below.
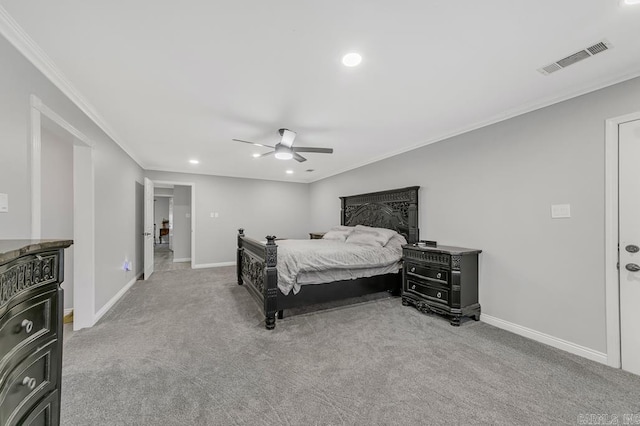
(414, 232)
(239, 256)
(271, 284)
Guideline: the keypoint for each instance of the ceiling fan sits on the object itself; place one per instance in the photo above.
(284, 150)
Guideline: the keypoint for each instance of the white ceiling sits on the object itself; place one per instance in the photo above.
(171, 81)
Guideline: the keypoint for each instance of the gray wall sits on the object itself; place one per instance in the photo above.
(492, 189)
(181, 222)
(260, 207)
(116, 174)
(57, 198)
(160, 212)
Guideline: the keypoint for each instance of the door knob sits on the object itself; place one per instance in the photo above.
(632, 267)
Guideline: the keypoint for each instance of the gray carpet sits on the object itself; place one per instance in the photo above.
(189, 347)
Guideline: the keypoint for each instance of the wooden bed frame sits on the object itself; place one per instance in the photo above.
(256, 261)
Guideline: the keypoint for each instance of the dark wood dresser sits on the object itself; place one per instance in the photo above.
(31, 309)
(441, 279)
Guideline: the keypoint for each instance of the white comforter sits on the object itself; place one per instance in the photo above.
(299, 256)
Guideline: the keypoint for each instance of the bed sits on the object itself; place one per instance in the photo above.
(257, 260)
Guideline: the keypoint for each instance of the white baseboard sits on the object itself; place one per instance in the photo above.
(182, 259)
(546, 339)
(67, 311)
(114, 299)
(213, 265)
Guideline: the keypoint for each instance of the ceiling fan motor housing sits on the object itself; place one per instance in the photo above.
(287, 137)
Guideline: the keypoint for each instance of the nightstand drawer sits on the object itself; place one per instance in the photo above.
(27, 383)
(427, 291)
(27, 322)
(428, 273)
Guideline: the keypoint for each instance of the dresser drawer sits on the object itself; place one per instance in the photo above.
(28, 272)
(46, 413)
(427, 291)
(427, 273)
(28, 382)
(27, 322)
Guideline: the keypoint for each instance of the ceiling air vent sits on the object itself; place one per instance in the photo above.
(576, 57)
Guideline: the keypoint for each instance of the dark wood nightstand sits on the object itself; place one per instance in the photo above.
(316, 235)
(441, 279)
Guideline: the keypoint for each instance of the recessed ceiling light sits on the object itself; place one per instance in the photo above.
(631, 2)
(351, 59)
(256, 155)
(289, 172)
(194, 161)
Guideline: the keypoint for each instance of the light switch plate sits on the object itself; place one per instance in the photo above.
(4, 203)
(560, 211)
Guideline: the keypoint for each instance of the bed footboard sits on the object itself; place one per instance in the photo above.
(256, 268)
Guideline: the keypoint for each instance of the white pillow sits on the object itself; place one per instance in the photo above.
(338, 233)
(396, 242)
(368, 236)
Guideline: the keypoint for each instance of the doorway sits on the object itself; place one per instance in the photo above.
(173, 227)
(166, 232)
(44, 120)
(56, 183)
(622, 239)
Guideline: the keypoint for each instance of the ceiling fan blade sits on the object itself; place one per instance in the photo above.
(266, 154)
(299, 158)
(253, 143)
(316, 150)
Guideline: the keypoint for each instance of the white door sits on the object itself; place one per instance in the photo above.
(148, 228)
(629, 238)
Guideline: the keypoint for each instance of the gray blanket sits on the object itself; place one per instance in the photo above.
(298, 256)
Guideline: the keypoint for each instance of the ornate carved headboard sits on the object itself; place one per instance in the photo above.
(395, 209)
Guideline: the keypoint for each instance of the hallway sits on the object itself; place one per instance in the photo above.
(163, 259)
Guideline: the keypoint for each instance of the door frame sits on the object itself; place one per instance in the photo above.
(612, 283)
(193, 215)
(83, 208)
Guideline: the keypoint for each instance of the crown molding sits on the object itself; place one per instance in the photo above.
(506, 115)
(17, 36)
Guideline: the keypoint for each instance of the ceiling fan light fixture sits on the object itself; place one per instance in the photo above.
(283, 152)
(284, 155)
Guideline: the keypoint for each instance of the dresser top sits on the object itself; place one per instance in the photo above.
(443, 249)
(13, 249)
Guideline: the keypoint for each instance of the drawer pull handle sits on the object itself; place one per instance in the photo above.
(413, 287)
(439, 295)
(439, 275)
(27, 325)
(29, 382)
(413, 269)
